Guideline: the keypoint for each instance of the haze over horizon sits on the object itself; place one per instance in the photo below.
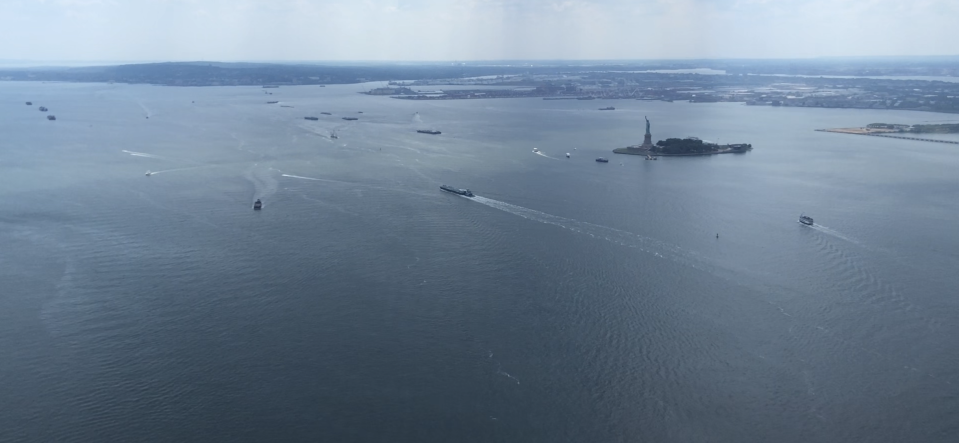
(433, 30)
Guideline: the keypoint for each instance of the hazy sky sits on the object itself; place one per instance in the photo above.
(472, 29)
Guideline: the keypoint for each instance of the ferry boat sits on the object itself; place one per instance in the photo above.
(602, 160)
(463, 192)
(257, 205)
(806, 220)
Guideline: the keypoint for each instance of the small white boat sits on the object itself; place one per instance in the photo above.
(567, 155)
(149, 173)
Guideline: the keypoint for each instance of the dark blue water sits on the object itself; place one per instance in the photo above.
(569, 301)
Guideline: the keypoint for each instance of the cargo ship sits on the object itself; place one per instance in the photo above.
(428, 131)
(463, 192)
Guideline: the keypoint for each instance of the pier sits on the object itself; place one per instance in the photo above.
(882, 133)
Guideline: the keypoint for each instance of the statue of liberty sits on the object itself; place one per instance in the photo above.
(647, 124)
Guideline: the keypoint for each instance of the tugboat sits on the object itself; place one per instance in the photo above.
(806, 220)
(463, 192)
(257, 205)
(602, 160)
(428, 131)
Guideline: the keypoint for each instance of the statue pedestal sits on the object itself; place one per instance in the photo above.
(647, 142)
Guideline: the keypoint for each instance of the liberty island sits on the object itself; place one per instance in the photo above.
(677, 146)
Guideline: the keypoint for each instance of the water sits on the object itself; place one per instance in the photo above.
(568, 301)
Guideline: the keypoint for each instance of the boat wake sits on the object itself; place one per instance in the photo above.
(540, 153)
(142, 154)
(178, 169)
(314, 179)
(835, 233)
(623, 238)
(263, 181)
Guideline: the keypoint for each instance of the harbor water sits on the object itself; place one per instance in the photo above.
(670, 301)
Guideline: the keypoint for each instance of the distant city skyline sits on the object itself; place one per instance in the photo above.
(437, 30)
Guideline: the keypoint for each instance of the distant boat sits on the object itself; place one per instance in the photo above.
(602, 160)
(806, 220)
(272, 102)
(567, 155)
(51, 117)
(608, 108)
(350, 118)
(428, 131)
(536, 150)
(43, 109)
(149, 173)
(257, 205)
(311, 118)
(29, 103)
(463, 192)
(326, 113)
(333, 135)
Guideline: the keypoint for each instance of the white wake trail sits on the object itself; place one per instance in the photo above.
(835, 233)
(141, 154)
(180, 169)
(624, 238)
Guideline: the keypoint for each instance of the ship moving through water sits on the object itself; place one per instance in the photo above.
(463, 192)
(806, 220)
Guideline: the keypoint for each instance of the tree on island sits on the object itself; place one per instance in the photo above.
(684, 146)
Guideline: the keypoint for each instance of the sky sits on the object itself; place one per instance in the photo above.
(464, 30)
